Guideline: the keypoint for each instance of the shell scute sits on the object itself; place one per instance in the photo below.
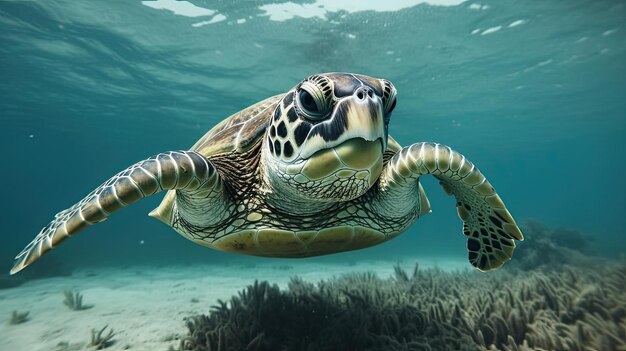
(239, 131)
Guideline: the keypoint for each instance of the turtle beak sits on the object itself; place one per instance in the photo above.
(357, 116)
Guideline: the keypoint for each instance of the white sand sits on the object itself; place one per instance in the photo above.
(145, 305)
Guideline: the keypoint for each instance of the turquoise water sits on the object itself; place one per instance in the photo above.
(534, 93)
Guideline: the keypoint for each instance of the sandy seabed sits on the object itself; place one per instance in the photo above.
(146, 305)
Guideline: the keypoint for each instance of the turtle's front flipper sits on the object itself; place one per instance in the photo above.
(488, 225)
(183, 170)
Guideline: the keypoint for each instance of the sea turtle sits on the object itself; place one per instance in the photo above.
(306, 173)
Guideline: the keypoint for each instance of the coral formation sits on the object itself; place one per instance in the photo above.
(101, 341)
(547, 247)
(74, 300)
(573, 308)
(18, 318)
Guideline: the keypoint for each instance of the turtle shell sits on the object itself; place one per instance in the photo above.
(239, 131)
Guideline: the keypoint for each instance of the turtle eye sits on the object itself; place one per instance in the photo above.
(307, 102)
(389, 96)
(392, 105)
(313, 101)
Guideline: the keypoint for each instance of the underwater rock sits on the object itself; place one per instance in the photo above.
(572, 308)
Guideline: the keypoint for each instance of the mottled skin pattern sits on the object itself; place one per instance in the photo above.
(305, 173)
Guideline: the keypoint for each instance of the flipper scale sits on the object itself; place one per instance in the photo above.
(488, 225)
(182, 170)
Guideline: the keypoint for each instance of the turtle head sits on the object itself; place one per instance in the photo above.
(328, 135)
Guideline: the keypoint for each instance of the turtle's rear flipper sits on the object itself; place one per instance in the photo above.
(183, 170)
(488, 225)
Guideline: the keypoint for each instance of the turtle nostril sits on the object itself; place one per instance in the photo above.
(362, 93)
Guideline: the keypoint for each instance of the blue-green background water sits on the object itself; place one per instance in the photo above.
(533, 92)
